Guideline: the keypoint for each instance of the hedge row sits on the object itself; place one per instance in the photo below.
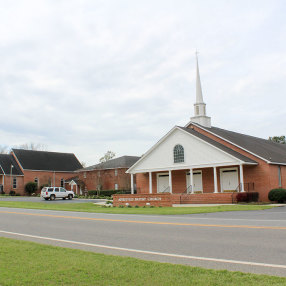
(247, 197)
(277, 195)
(108, 193)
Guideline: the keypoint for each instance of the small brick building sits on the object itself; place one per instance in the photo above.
(200, 163)
(110, 175)
(42, 167)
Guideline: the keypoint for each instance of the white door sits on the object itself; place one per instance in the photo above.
(162, 183)
(197, 181)
(229, 180)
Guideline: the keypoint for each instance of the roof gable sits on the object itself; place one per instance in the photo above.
(6, 160)
(199, 150)
(47, 161)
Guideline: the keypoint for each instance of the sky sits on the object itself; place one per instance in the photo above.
(90, 76)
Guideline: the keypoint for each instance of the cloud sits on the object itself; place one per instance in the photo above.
(90, 76)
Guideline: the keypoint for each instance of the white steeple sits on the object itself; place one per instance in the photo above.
(200, 107)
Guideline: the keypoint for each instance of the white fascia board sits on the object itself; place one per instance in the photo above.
(129, 171)
(276, 163)
(172, 168)
(229, 142)
(49, 171)
(2, 170)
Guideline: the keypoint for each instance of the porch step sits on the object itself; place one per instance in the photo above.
(211, 198)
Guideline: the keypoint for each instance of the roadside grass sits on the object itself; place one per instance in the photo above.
(92, 208)
(29, 263)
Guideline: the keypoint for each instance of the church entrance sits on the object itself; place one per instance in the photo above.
(163, 183)
(229, 179)
(197, 181)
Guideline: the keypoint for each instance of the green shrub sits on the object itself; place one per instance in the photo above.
(31, 188)
(12, 193)
(107, 193)
(277, 195)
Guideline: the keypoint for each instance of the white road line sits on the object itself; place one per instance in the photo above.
(148, 252)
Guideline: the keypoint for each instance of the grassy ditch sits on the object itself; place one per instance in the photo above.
(28, 263)
(90, 207)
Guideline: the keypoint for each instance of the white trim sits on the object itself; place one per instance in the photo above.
(132, 184)
(241, 179)
(215, 180)
(220, 176)
(151, 149)
(238, 161)
(170, 181)
(2, 170)
(277, 163)
(48, 171)
(199, 126)
(150, 182)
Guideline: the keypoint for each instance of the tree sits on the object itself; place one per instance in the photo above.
(31, 188)
(278, 139)
(33, 146)
(4, 149)
(107, 156)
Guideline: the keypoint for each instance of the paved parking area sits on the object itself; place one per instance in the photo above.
(57, 201)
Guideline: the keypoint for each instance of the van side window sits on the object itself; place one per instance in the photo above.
(62, 190)
(57, 190)
(50, 189)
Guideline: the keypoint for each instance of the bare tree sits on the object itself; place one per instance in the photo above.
(4, 149)
(107, 156)
(33, 146)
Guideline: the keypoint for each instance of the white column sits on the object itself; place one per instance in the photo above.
(150, 182)
(215, 181)
(191, 180)
(241, 177)
(132, 184)
(170, 181)
(76, 189)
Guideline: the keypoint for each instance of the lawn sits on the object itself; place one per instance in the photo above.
(90, 207)
(28, 263)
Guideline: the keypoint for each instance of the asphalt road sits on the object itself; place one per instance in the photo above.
(252, 241)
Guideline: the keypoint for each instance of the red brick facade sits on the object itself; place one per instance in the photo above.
(263, 175)
(105, 179)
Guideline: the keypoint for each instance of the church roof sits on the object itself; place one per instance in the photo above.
(47, 161)
(120, 162)
(219, 145)
(6, 160)
(268, 150)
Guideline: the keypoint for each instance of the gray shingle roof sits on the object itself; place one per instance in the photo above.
(6, 160)
(47, 161)
(120, 162)
(266, 149)
(218, 145)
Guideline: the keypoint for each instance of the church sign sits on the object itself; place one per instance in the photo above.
(142, 200)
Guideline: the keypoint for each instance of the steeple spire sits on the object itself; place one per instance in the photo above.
(200, 107)
(199, 94)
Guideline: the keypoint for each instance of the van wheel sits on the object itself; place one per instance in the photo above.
(70, 197)
(64, 198)
(52, 197)
(46, 199)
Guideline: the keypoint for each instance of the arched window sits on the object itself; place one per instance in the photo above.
(179, 154)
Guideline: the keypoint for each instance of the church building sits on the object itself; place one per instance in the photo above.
(205, 164)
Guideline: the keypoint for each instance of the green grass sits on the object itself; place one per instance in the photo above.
(90, 207)
(28, 263)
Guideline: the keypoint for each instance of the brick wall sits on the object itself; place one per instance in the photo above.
(106, 178)
(20, 184)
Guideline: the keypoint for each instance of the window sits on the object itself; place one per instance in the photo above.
(57, 189)
(62, 183)
(115, 172)
(116, 186)
(37, 181)
(179, 154)
(84, 175)
(14, 182)
(62, 190)
(98, 173)
(50, 189)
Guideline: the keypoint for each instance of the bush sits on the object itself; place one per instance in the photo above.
(31, 188)
(277, 195)
(107, 193)
(247, 197)
(12, 193)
